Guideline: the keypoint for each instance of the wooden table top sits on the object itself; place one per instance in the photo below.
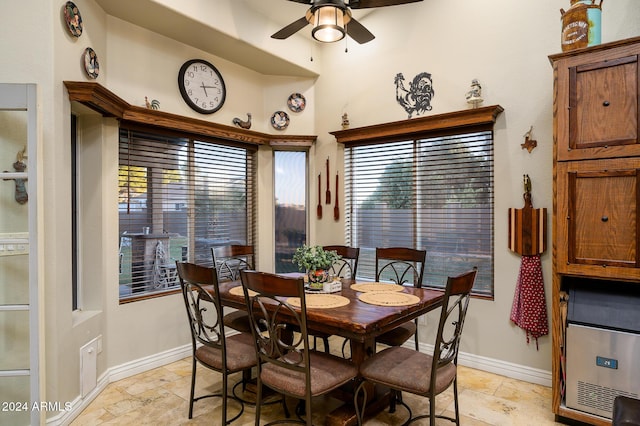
(358, 320)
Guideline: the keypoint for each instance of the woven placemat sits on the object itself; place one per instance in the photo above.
(369, 287)
(237, 291)
(389, 298)
(320, 301)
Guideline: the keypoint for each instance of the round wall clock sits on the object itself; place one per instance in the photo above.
(201, 86)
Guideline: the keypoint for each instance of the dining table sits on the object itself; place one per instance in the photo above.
(360, 322)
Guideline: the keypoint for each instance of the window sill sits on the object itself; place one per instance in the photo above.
(80, 316)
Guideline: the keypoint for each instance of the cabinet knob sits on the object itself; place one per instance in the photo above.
(605, 219)
(606, 103)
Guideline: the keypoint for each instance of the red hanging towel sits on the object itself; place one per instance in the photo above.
(529, 309)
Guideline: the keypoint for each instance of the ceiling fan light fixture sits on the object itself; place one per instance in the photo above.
(328, 24)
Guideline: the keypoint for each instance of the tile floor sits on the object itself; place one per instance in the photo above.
(160, 397)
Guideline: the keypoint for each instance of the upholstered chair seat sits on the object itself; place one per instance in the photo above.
(327, 373)
(240, 353)
(391, 366)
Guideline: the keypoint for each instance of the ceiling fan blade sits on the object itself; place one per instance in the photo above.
(291, 29)
(358, 32)
(365, 4)
(302, 1)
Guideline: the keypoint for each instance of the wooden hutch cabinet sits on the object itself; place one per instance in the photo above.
(596, 184)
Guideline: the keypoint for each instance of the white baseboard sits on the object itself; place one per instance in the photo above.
(118, 373)
(508, 369)
(148, 363)
(502, 368)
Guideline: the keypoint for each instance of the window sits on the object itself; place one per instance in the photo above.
(178, 198)
(74, 215)
(432, 193)
(290, 181)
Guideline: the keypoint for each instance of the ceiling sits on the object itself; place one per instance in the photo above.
(270, 16)
(284, 12)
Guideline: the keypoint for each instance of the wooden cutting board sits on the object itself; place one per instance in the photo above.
(528, 229)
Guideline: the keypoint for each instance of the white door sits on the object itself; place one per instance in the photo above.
(19, 372)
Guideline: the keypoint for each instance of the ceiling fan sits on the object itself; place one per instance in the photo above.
(331, 19)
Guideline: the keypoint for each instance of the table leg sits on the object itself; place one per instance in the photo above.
(362, 350)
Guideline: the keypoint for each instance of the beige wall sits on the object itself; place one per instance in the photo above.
(503, 43)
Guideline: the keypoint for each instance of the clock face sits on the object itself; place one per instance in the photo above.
(201, 86)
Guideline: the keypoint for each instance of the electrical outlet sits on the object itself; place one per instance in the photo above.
(99, 344)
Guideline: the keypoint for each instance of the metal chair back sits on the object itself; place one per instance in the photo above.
(347, 266)
(230, 260)
(400, 265)
(204, 310)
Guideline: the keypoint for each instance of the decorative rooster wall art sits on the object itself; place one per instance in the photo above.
(244, 124)
(417, 99)
(154, 104)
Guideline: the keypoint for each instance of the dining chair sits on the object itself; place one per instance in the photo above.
(347, 266)
(286, 364)
(164, 268)
(211, 348)
(229, 261)
(405, 370)
(404, 266)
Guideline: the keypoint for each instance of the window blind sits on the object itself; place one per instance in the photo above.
(432, 193)
(178, 198)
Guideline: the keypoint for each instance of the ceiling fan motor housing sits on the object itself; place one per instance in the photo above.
(330, 18)
(317, 4)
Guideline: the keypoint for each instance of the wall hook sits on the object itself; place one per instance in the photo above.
(529, 143)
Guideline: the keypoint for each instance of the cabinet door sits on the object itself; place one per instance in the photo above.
(596, 109)
(603, 103)
(597, 217)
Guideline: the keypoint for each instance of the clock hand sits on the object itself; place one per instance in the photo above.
(205, 89)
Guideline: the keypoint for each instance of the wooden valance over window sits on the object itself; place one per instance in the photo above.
(469, 121)
(105, 102)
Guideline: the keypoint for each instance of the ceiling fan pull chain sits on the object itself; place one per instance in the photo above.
(346, 41)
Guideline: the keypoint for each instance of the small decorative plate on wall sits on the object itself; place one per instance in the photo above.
(90, 61)
(73, 19)
(296, 102)
(280, 120)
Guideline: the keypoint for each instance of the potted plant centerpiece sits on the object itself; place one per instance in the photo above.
(316, 262)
